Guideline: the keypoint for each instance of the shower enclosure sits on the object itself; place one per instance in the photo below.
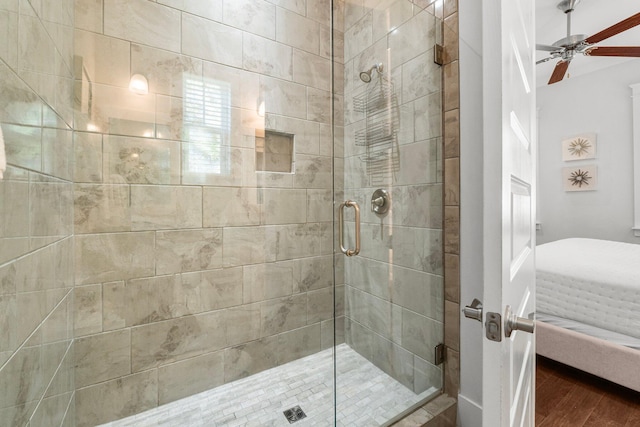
(223, 212)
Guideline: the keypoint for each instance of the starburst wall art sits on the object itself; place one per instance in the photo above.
(580, 178)
(579, 147)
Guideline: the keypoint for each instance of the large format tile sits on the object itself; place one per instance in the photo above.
(188, 250)
(19, 104)
(105, 59)
(248, 245)
(184, 378)
(313, 273)
(267, 281)
(9, 49)
(141, 160)
(232, 206)
(108, 257)
(250, 358)
(267, 57)
(57, 153)
(211, 9)
(114, 349)
(297, 31)
(244, 87)
(283, 314)
(284, 206)
(165, 71)
(159, 343)
(87, 157)
(88, 310)
(88, 15)
(116, 399)
(212, 41)
(420, 334)
(165, 207)
(311, 70)
(299, 343)
(23, 146)
(320, 305)
(101, 208)
(283, 97)
(257, 17)
(130, 20)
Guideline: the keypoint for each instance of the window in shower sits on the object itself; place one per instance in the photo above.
(207, 125)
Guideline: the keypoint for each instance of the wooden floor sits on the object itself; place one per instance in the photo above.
(568, 397)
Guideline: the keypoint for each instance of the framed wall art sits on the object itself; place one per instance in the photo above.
(579, 147)
(580, 178)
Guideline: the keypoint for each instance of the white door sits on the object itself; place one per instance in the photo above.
(509, 209)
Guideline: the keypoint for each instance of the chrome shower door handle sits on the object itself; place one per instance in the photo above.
(354, 205)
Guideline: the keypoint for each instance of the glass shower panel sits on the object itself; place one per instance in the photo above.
(204, 210)
(388, 127)
(171, 238)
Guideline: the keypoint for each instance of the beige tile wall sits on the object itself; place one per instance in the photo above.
(36, 214)
(443, 410)
(452, 198)
(182, 270)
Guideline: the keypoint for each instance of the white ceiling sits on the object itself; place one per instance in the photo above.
(589, 17)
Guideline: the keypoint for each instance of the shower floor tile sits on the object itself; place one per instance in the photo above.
(366, 397)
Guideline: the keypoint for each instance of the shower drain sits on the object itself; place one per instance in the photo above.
(294, 414)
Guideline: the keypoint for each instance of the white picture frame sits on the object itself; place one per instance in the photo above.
(580, 178)
(579, 147)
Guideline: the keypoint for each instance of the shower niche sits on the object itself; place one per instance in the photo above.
(274, 152)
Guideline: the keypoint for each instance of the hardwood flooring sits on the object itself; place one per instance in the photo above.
(568, 397)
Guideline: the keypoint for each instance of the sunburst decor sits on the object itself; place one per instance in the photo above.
(582, 178)
(579, 147)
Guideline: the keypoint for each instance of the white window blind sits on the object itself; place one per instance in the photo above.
(207, 125)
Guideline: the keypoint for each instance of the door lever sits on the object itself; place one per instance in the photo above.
(473, 311)
(514, 323)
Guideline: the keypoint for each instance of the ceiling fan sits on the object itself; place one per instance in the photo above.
(568, 47)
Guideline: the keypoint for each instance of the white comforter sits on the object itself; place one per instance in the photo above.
(595, 282)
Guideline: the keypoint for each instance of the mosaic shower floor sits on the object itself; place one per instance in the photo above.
(366, 397)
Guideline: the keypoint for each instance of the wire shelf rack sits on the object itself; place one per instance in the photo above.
(379, 135)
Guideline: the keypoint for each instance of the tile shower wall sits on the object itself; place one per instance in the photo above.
(192, 268)
(394, 288)
(36, 214)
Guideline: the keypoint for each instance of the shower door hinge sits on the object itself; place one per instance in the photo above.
(439, 354)
(438, 54)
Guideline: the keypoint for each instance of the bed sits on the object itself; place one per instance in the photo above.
(588, 307)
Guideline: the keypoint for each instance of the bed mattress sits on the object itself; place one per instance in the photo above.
(592, 282)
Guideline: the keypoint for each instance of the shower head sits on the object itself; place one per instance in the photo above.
(365, 76)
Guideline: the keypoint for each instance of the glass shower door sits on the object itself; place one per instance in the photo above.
(388, 163)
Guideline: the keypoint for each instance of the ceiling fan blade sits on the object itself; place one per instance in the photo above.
(547, 48)
(559, 71)
(631, 51)
(621, 26)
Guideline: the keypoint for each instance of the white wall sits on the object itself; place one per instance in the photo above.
(471, 331)
(599, 102)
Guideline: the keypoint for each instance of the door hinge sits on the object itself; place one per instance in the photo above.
(438, 54)
(439, 354)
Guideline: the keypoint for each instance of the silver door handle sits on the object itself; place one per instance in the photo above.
(514, 323)
(354, 205)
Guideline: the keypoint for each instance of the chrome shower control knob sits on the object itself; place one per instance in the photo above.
(380, 201)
